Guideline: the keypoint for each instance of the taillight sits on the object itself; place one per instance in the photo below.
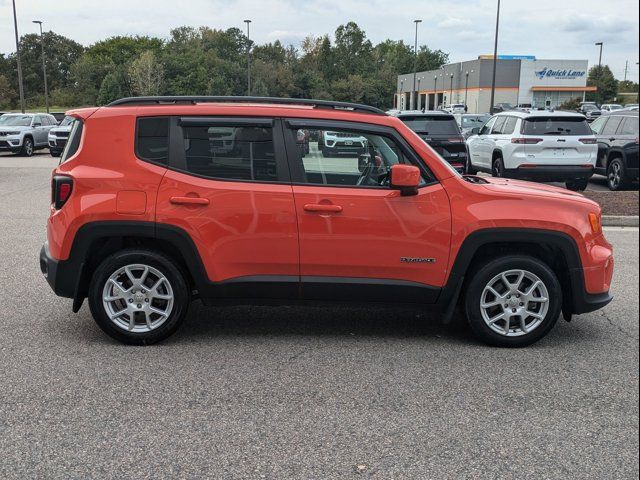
(456, 140)
(61, 188)
(526, 141)
(588, 141)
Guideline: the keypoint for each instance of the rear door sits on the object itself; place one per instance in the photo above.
(359, 238)
(603, 143)
(627, 140)
(561, 140)
(228, 188)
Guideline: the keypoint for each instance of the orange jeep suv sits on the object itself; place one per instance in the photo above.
(161, 200)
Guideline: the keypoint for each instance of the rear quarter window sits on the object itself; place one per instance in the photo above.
(152, 139)
(73, 144)
(555, 126)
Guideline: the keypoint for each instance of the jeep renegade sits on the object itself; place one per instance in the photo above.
(148, 212)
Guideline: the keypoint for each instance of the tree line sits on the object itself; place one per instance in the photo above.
(206, 61)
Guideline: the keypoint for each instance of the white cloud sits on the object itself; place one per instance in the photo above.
(464, 28)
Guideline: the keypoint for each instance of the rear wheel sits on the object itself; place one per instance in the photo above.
(513, 301)
(138, 297)
(616, 175)
(577, 185)
(468, 167)
(497, 167)
(55, 153)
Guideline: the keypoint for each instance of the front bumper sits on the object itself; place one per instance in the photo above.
(551, 173)
(8, 144)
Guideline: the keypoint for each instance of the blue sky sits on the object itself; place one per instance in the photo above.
(464, 29)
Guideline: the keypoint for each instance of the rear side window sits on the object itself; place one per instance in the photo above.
(152, 139)
(73, 143)
(509, 125)
(555, 126)
(629, 126)
(230, 152)
(432, 125)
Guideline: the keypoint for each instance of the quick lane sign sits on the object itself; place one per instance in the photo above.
(566, 74)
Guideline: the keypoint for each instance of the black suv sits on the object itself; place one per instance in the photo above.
(617, 135)
(441, 131)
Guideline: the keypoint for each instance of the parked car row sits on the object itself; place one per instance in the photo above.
(24, 133)
(539, 145)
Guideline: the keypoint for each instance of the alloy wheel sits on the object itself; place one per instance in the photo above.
(138, 298)
(514, 303)
(615, 175)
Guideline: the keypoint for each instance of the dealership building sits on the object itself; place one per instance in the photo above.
(520, 80)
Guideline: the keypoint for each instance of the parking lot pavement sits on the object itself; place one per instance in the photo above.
(302, 392)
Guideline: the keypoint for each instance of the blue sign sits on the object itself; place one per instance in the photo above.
(566, 74)
(516, 57)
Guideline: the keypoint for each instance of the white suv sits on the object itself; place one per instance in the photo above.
(539, 145)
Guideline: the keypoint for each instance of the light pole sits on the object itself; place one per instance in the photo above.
(435, 92)
(451, 91)
(466, 87)
(401, 103)
(599, 44)
(415, 61)
(44, 67)
(418, 94)
(495, 61)
(20, 87)
(248, 22)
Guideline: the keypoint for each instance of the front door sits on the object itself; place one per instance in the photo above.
(359, 238)
(228, 187)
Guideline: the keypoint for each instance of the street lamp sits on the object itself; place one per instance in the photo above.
(418, 94)
(401, 104)
(451, 91)
(435, 92)
(248, 22)
(599, 44)
(466, 87)
(20, 87)
(44, 67)
(495, 61)
(415, 61)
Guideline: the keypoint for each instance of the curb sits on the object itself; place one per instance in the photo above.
(619, 221)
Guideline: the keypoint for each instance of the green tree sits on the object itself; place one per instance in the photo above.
(146, 74)
(602, 77)
(7, 93)
(114, 86)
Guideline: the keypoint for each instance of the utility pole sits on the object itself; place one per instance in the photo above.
(599, 44)
(20, 87)
(248, 22)
(415, 64)
(495, 61)
(626, 69)
(466, 86)
(44, 67)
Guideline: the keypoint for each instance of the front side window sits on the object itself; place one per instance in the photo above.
(346, 158)
(612, 125)
(488, 126)
(597, 124)
(229, 152)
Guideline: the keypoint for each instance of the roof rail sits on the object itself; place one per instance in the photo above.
(164, 100)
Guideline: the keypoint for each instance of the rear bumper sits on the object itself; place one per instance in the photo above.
(551, 173)
(57, 273)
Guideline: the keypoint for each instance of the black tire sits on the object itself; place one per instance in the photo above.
(324, 152)
(497, 167)
(616, 175)
(55, 153)
(485, 273)
(468, 166)
(27, 147)
(577, 185)
(165, 265)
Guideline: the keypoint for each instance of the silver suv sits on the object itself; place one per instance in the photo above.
(23, 133)
(59, 135)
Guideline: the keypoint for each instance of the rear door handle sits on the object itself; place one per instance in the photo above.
(319, 207)
(189, 201)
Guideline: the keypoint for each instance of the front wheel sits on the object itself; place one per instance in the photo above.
(497, 168)
(138, 297)
(27, 148)
(513, 301)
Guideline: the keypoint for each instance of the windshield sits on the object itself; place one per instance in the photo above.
(477, 121)
(66, 121)
(432, 125)
(556, 126)
(15, 120)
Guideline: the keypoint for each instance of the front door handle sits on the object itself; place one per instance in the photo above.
(323, 208)
(189, 201)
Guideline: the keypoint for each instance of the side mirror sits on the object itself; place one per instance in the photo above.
(405, 178)
(475, 131)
